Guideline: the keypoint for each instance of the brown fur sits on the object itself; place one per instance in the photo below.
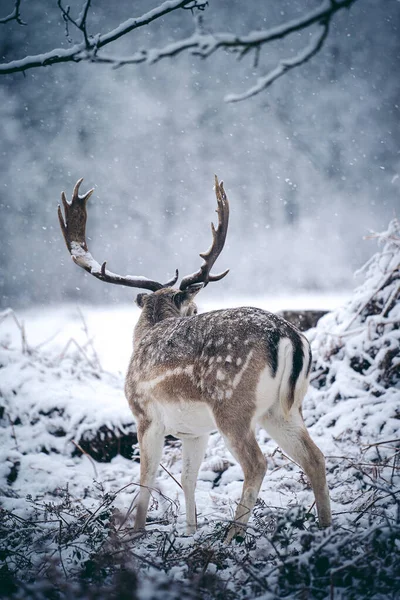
(183, 363)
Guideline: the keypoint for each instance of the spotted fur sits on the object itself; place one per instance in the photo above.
(229, 370)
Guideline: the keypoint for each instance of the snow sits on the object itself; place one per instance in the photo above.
(61, 386)
(111, 328)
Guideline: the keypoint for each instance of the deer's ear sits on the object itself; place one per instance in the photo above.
(141, 299)
(185, 296)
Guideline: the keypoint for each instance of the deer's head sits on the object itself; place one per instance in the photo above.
(164, 300)
(169, 302)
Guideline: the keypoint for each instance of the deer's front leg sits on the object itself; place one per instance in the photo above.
(151, 441)
(193, 450)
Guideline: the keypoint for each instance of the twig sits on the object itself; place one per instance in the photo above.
(311, 507)
(380, 444)
(363, 306)
(278, 449)
(170, 474)
(363, 464)
(82, 21)
(13, 431)
(141, 558)
(284, 66)
(260, 582)
(10, 313)
(47, 340)
(362, 513)
(62, 562)
(81, 350)
(394, 467)
(67, 18)
(15, 15)
(129, 511)
(391, 301)
(106, 502)
(88, 456)
(89, 339)
(170, 547)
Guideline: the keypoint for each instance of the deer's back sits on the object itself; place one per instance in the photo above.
(214, 356)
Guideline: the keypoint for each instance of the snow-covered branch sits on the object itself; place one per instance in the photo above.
(284, 65)
(199, 43)
(87, 50)
(15, 15)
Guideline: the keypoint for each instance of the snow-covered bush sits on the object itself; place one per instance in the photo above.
(357, 348)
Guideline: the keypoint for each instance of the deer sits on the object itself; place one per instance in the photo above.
(191, 374)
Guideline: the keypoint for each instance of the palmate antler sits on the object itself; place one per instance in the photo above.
(203, 275)
(73, 227)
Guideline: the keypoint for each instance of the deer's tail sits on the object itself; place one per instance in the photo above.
(295, 358)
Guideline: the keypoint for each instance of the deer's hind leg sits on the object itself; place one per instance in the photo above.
(241, 441)
(193, 450)
(291, 435)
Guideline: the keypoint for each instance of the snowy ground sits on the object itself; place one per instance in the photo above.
(76, 344)
(65, 381)
(111, 328)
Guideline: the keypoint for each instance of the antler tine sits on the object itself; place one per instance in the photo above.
(203, 275)
(172, 281)
(73, 227)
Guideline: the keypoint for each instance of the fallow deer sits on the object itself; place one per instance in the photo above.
(191, 374)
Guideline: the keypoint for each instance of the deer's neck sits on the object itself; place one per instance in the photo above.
(152, 314)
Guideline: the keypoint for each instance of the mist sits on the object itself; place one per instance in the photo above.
(310, 166)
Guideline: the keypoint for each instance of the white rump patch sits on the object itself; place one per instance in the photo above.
(270, 388)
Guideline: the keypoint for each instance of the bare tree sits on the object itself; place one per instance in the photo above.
(200, 43)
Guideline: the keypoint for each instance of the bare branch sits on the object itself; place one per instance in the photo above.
(199, 43)
(80, 23)
(67, 18)
(79, 51)
(15, 15)
(66, 13)
(284, 65)
(205, 44)
(84, 14)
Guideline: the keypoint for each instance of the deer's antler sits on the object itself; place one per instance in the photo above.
(203, 275)
(73, 227)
